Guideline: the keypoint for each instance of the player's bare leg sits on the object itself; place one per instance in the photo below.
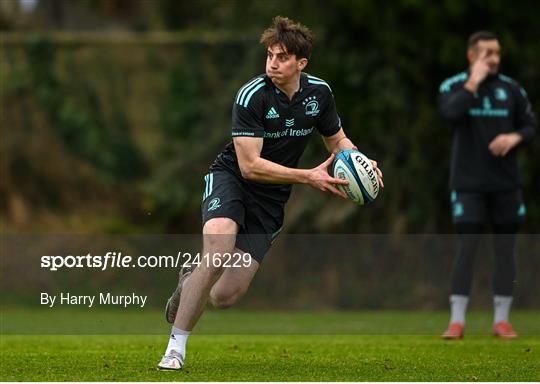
(233, 283)
(219, 238)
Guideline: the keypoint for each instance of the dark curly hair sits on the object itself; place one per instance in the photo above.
(294, 38)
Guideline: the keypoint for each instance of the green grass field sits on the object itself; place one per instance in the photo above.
(359, 353)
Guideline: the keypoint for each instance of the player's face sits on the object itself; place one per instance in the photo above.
(282, 66)
(490, 50)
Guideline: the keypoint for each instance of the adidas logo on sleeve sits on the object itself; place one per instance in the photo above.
(272, 114)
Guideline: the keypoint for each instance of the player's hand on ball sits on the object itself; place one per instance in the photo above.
(320, 179)
(379, 172)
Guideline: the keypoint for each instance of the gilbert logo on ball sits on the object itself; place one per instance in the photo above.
(357, 169)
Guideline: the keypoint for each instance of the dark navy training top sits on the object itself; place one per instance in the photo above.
(260, 109)
(500, 105)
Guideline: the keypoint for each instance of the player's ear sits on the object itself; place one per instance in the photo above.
(472, 54)
(302, 63)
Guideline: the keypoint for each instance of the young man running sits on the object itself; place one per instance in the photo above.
(250, 181)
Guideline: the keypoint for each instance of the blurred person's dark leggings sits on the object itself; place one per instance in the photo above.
(469, 235)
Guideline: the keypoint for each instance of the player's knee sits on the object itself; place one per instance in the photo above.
(209, 270)
(223, 299)
(222, 304)
(220, 226)
(219, 235)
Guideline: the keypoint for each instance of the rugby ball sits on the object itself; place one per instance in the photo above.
(357, 169)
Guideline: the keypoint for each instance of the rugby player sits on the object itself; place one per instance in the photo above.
(491, 119)
(273, 117)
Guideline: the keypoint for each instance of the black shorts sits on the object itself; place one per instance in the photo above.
(260, 219)
(504, 207)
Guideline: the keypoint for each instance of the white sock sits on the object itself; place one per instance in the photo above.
(501, 305)
(458, 308)
(178, 341)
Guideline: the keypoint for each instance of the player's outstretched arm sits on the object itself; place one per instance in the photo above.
(338, 142)
(254, 167)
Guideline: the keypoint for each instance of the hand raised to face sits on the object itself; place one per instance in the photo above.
(480, 68)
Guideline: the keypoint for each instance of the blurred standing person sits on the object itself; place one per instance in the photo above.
(491, 118)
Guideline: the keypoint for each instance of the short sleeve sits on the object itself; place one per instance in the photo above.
(329, 122)
(248, 110)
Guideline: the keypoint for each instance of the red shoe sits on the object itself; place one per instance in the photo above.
(454, 331)
(504, 330)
